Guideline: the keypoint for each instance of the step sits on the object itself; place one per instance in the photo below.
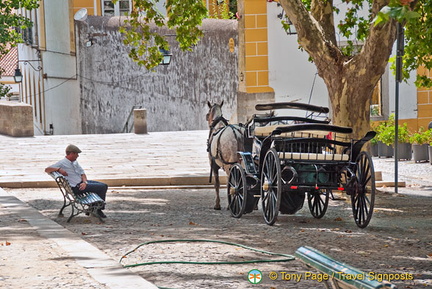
(389, 184)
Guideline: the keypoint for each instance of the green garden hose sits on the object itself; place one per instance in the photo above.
(285, 259)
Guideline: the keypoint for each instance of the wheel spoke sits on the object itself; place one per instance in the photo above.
(318, 202)
(265, 197)
(234, 207)
(363, 197)
(316, 206)
(237, 203)
(236, 191)
(270, 186)
(273, 174)
(361, 215)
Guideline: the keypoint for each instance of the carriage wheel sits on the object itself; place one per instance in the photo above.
(318, 202)
(237, 191)
(271, 186)
(363, 195)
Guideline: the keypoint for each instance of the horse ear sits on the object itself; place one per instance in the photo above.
(221, 103)
(209, 104)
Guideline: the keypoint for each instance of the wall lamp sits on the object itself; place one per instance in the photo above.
(166, 57)
(18, 75)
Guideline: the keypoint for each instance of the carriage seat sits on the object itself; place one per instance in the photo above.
(313, 156)
(264, 131)
(314, 142)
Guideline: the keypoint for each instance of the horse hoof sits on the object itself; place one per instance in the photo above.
(217, 208)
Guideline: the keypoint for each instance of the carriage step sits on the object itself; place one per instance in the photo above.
(380, 183)
(389, 184)
(337, 274)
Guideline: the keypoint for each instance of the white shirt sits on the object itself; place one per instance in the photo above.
(73, 169)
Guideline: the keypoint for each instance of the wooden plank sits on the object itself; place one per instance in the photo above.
(389, 184)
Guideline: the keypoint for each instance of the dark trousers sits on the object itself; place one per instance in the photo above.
(95, 187)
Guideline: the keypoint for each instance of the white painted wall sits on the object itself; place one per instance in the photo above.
(175, 96)
(30, 91)
(54, 91)
(62, 91)
(291, 75)
(407, 96)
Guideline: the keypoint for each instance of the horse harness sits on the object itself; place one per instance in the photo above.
(212, 134)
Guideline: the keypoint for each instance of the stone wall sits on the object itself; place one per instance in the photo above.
(175, 96)
(16, 119)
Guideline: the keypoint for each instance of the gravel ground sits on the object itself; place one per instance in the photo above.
(398, 240)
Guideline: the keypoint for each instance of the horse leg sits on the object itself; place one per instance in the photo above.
(217, 185)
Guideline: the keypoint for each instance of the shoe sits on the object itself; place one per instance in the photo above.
(101, 214)
(89, 211)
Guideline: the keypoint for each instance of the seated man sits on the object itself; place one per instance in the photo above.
(76, 176)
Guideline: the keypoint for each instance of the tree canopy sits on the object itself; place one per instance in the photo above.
(10, 20)
(415, 15)
(412, 14)
(185, 16)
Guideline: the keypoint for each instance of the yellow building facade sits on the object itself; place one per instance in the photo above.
(424, 102)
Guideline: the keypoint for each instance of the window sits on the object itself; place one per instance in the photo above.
(121, 8)
(376, 101)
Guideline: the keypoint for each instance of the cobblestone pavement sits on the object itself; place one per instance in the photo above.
(157, 158)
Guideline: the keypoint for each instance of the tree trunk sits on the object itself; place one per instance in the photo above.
(350, 80)
(350, 103)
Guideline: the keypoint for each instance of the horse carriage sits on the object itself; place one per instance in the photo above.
(286, 159)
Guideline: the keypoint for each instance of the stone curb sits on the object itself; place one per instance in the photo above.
(154, 182)
(119, 182)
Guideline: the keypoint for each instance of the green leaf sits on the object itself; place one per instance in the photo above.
(183, 16)
(10, 20)
(412, 15)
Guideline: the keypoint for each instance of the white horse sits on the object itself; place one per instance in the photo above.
(224, 141)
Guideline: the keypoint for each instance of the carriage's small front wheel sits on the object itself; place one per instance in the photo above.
(237, 191)
(318, 202)
(271, 186)
(363, 193)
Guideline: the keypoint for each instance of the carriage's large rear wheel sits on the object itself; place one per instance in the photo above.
(237, 191)
(271, 186)
(318, 202)
(363, 194)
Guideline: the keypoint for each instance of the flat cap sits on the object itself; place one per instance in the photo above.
(73, 148)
